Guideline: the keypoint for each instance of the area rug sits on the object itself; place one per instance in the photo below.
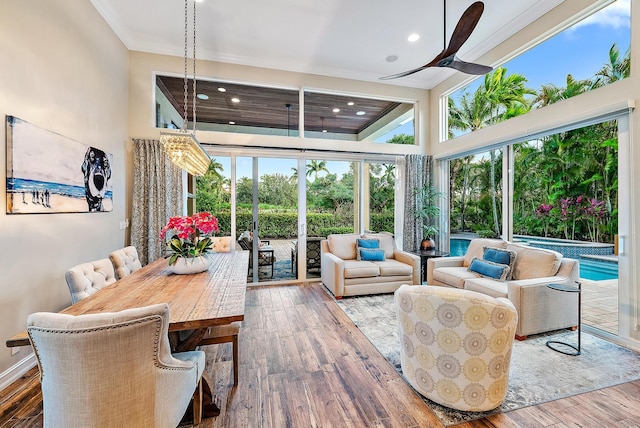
(537, 373)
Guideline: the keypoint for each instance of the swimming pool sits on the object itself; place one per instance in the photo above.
(594, 270)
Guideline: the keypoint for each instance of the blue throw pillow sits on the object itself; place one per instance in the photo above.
(371, 255)
(368, 243)
(489, 269)
(503, 257)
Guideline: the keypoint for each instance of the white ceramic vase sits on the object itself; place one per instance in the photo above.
(190, 265)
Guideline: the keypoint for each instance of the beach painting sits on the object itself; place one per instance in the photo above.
(50, 173)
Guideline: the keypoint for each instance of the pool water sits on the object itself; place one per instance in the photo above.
(589, 269)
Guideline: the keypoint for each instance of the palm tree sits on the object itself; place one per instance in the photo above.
(618, 67)
(471, 115)
(314, 167)
(506, 97)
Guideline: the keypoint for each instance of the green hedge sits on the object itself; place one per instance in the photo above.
(284, 225)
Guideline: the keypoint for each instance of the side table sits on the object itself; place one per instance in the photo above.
(426, 255)
(553, 343)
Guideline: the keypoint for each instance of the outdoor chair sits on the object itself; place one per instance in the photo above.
(266, 257)
(314, 259)
(114, 369)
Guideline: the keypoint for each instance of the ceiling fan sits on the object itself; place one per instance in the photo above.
(448, 58)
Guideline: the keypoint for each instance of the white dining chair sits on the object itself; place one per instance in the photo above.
(87, 278)
(114, 370)
(125, 261)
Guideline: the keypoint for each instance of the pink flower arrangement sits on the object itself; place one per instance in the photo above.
(191, 238)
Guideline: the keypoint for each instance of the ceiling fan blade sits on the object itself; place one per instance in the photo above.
(466, 24)
(405, 73)
(468, 67)
(465, 27)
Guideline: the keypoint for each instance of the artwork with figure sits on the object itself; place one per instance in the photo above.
(50, 173)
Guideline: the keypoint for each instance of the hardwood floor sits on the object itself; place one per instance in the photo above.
(304, 364)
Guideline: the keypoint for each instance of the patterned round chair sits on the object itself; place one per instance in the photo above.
(456, 345)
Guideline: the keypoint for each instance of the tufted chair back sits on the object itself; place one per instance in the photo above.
(455, 345)
(113, 369)
(125, 261)
(221, 244)
(87, 278)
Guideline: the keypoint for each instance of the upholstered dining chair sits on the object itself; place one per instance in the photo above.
(221, 244)
(87, 278)
(455, 345)
(125, 261)
(114, 370)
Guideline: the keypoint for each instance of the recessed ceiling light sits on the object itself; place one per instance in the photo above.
(360, 113)
(235, 100)
(231, 122)
(336, 110)
(203, 96)
(413, 37)
(221, 89)
(350, 103)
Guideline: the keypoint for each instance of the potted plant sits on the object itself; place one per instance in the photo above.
(427, 212)
(191, 242)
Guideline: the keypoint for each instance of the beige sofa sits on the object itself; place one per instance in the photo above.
(540, 309)
(344, 275)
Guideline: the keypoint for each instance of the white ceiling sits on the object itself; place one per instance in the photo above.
(338, 38)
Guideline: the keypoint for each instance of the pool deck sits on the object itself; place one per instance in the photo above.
(600, 304)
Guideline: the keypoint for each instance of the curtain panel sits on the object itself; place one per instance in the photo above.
(157, 195)
(417, 174)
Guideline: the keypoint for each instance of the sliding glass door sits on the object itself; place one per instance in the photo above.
(563, 195)
(290, 204)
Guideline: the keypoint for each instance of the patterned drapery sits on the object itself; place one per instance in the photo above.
(157, 195)
(417, 174)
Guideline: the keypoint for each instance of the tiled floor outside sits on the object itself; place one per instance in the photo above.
(600, 304)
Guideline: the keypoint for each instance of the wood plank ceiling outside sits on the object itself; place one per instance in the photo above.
(266, 107)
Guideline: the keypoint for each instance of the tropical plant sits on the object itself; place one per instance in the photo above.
(427, 209)
(191, 238)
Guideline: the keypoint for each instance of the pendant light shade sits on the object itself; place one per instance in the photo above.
(185, 151)
(181, 146)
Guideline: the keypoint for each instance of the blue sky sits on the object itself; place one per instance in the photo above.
(581, 51)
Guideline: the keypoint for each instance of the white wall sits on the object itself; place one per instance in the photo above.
(64, 70)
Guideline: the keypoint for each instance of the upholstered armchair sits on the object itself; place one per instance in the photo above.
(87, 278)
(455, 345)
(125, 261)
(114, 370)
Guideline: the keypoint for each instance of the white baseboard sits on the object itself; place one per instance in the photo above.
(14, 372)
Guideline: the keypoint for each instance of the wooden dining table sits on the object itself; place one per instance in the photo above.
(196, 301)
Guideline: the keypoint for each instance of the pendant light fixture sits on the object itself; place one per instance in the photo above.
(288, 106)
(181, 146)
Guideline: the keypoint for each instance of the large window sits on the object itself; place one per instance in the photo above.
(565, 197)
(247, 109)
(590, 54)
(344, 117)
